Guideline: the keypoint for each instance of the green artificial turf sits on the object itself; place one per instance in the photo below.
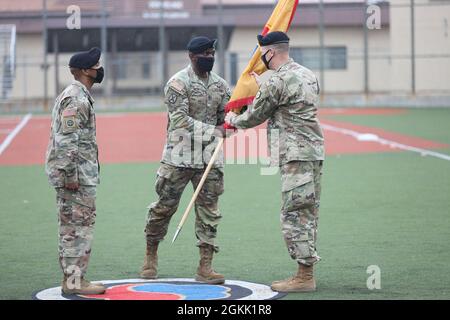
(389, 210)
(429, 123)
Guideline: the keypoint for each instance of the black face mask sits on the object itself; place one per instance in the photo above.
(100, 75)
(205, 64)
(263, 58)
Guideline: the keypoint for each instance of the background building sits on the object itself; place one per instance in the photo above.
(377, 52)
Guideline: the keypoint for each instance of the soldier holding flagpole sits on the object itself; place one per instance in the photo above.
(195, 98)
(289, 101)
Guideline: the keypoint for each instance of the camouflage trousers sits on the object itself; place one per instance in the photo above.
(170, 184)
(76, 218)
(300, 212)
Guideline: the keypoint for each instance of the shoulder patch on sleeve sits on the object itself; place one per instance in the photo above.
(177, 85)
(172, 97)
(69, 112)
(69, 121)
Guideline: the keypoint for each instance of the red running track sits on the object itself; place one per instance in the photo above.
(140, 137)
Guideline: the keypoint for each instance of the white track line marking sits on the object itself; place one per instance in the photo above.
(374, 138)
(14, 133)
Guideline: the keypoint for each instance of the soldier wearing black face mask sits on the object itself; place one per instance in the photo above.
(201, 54)
(73, 170)
(195, 98)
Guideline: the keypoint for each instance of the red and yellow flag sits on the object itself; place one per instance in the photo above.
(246, 87)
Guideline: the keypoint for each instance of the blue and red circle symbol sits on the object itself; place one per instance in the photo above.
(169, 289)
(163, 291)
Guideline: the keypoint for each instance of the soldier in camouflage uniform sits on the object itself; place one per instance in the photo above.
(289, 100)
(195, 98)
(73, 169)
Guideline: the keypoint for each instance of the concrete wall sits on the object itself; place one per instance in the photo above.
(347, 80)
(432, 39)
(29, 78)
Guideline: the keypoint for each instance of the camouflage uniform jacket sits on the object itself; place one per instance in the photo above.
(195, 108)
(289, 100)
(72, 153)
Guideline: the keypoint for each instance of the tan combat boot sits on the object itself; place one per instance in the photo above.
(204, 271)
(150, 267)
(303, 281)
(85, 287)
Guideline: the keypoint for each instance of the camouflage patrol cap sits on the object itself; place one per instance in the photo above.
(85, 59)
(200, 44)
(273, 38)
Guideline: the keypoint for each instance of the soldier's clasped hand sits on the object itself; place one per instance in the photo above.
(257, 78)
(229, 117)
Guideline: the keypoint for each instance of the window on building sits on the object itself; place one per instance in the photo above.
(145, 68)
(234, 65)
(335, 58)
(121, 68)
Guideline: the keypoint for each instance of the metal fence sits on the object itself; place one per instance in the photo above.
(7, 59)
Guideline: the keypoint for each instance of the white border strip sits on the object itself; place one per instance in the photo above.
(259, 291)
(374, 138)
(14, 133)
